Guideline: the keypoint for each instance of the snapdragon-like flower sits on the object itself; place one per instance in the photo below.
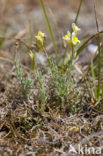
(75, 28)
(41, 34)
(74, 39)
(67, 37)
(40, 38)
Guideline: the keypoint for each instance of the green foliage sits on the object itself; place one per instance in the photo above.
(60, 80)
(95, 73)
(24, 82)
(43, 94)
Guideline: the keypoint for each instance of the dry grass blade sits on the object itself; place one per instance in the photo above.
(20, 34)
(17, 38)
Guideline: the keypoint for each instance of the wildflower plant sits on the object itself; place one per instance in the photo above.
(60, 81)
(39, 45)
(72, 41)
(43, 95)
(25, 83)
(72, 37)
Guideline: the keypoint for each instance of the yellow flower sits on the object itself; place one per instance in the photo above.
(75, 39)
(72, 38)
(41, 34)
(75, 28)
(67, 37)
(40, 37)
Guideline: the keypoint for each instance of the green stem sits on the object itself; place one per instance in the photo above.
(93, 76)
(32, 64)
(73, 52)
(50, 30)
(65, 53)
(99, 66)
(99, 53)
(75, 21)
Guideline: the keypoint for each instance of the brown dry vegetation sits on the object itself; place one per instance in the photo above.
(24, 129)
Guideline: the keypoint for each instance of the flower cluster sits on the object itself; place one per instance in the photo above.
(72, 38)
(40, 38)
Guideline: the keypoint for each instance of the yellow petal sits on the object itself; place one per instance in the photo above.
(39, 39)
(67, 37)
(41, 34)
(75, 27)
(75, 39)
